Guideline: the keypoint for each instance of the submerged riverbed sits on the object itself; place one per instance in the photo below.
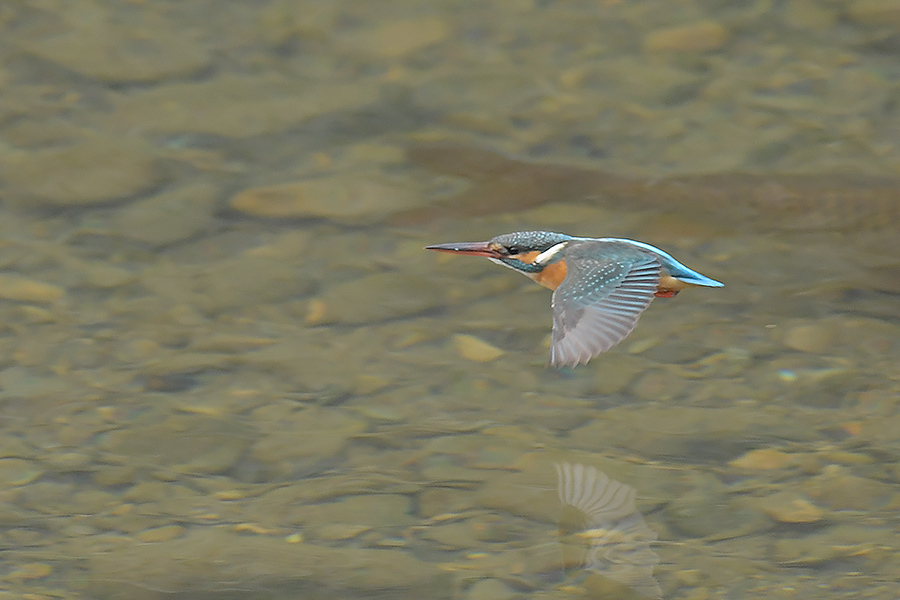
(229, 369)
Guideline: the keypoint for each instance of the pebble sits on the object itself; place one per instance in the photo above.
(212, 446)
(345, 199)
(687, 431)
(220, 554)
(334, 532)
(230, 344)
(369, 511)
(619, 370)
(762, 459)
(438, 500)
(113, 49)
(110, 475)
(490, 589)
(106, 276)
(94, 170)
(169, 217)
(839, 489)
(656, 385)
(810, 14)
(161, 534)
(304, 438)
(17, 471)
(813, 337)
(790, 507)
(396, 38)
(472, 348)
(24, 289)
(381, 296)
(840, 541)
(237, 105)
(453, 536)
(247, 280)
(695, 37)
(875, 12)
(709, 511)
(30, 571)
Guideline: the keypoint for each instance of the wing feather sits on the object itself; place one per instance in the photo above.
(599, 302)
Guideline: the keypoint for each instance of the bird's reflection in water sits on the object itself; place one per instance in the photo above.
(602, 532)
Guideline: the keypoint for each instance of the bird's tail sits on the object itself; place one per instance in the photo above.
(691, 276)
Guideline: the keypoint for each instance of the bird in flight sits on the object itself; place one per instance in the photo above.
(600, 285)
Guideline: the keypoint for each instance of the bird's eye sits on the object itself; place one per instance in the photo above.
(513, 250)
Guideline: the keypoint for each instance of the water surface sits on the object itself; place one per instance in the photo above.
(229, 370)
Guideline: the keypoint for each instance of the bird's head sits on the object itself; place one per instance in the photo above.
(527, 251)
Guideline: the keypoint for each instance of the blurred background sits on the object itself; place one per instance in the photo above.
(229, 370)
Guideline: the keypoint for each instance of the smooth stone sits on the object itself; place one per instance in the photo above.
(237, 105)
(510, 493)
(315, 362)
(619, 370)
(67, 462)
(762, 459)
(839, 489)
(808, 380)
(813, 337)
(380, 297)
(24, 289)
(185, 443)
(709, 511)
(396, 38)
(790, 507)
(475, 349)
(106, 276)
(444, 472)
(810, 14)
(334, 532)
(656, 385)
(692, 433)
(653, 82)
(37, 133)
(110, 475)
(875, 12)
(17, 471)
(111, 49)
(169, 217)
(249, 279)
(490, 589)
(440, 500)
(838, 542)
(147, 491)
(694, 37)
(452, 536)
(669, 351)
(374, 511)
(218, 555)
(94, 170)
(161, 534)
(30, 571)
(231, 343)
(303, 438)
(345, 198)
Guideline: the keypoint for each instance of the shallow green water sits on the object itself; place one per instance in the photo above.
(229, 370)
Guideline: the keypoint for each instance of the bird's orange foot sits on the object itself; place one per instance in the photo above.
(666, 293)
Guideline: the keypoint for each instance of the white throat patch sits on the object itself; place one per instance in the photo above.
(544, 257)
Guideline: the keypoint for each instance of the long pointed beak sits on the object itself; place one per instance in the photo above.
(472, 248)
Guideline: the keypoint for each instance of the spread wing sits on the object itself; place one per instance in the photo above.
(599, 302)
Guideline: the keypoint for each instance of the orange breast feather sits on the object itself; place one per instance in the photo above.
(552, 275)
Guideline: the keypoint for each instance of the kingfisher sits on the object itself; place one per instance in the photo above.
(600, 285)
